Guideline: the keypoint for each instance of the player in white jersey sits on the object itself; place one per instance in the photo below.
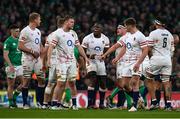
(121, 31)
(30, 44)
(52, 69)
(95, 44)
(160, 61)
(52, 74)
(64, 40)
(134, 50)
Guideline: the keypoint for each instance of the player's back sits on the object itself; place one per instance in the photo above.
(162, 40)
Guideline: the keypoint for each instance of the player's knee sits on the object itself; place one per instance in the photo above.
(102, 81)
(10, 86)
(41, 75)
(27, 74)
(165, 78)
(91, 75)
(48, 90)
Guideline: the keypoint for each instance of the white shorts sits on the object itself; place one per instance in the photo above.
(18, 72)
(30, 65)
(128, 69)
(119, 68)
(97, 66)
(66, 71)
(145, 65)
(160, 65)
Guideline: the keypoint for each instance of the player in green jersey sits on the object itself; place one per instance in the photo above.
(13, 65)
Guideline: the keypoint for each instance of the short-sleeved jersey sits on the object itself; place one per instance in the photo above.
(65, 43)
(134, 44)
(95, 45)
(161, 42)
(48, 41)
(32, 39)
(11, 45)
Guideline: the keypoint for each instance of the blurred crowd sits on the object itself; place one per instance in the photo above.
(109, 13)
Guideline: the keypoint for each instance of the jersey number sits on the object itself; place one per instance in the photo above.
(164, 42)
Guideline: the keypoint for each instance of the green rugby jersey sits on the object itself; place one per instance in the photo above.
(11, 45)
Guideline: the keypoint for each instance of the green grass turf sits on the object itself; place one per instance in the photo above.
(84, 113)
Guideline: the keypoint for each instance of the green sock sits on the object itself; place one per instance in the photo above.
(141, 91)
(114, 92)
(129, 100)
(16, 93)
(10, 101)
(68, 95)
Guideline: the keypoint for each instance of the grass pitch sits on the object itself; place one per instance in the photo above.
(84, 113)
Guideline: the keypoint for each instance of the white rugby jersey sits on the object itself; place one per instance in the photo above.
(32, 39)
(134, 43)
(148, 44)
(95, 45)
(65, 42)
(48, 41)
(118, 50)
(161, 42)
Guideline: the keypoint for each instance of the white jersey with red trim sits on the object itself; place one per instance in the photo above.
(65, 42)
(118, 50)
(161, 42)
(95, 45)
(134, 43)
(48, 41)
(32, 39)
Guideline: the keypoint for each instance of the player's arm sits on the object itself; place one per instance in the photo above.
(82, 53)
(6, 57)
(43, 55)
(110, 50)
(22, 47)
(107, 44)
(49, 54)
(143, 55)
(120, 55)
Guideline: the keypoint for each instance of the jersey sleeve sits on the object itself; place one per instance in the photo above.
(54, 40)
(23, 36)
(48, 40)
(121, 41)
(107, 45)
(142, 41)
(6, 46)
(151, 39)
(85, 42)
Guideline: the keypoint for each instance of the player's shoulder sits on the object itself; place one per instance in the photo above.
(89, 36)
(156, 31)
(72, 31)
(38, 31)
(104, 36)
(139, 33)
(57, 31)
(25, 29)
